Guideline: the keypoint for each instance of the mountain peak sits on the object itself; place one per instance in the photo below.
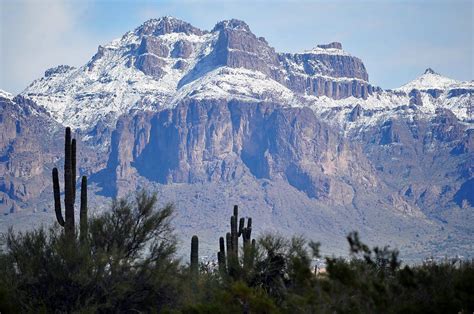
(333, 45)
(166, 25)
(430, 71)
(429, 80)
(233, 24)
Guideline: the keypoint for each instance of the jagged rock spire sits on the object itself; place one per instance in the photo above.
(430, 71)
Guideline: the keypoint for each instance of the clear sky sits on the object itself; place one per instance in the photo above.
(396, 40)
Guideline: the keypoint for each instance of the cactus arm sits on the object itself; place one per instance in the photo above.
(221, 255)
(220, 261)
(228, 241)
(221, 244)
(194, 254)
(252, 257)
(236, 211)
(241, 225)
(57, 197)
(83, 212)
(234, 236)
(247, 232)
(73, 166)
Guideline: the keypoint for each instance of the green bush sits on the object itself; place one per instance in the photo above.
(126, 264)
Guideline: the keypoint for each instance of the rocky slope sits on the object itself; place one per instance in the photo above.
(303, 142)
(25, 149)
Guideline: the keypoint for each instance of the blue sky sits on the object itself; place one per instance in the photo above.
(396, 40)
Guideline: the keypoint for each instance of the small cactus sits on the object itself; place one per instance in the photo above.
(194, 255)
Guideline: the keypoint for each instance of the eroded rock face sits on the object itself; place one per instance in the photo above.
(311, 73)
(215, 141)
(238, 47)
(152, 45)
(150, 65)
(24, 151)
(149, 56)
(31, 144)
(330, 65)
(430, 160)
(336, 75)
(182, 49)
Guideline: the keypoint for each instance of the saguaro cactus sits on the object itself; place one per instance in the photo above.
(70, 191)
(229, 263)
(194, 255)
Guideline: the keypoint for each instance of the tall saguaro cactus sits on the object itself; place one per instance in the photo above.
(70, 191)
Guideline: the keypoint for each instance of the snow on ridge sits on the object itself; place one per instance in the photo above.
(236, 83)
(433, 80)
(5, 94)
(109, 86)
(385, 104)
(327, 51)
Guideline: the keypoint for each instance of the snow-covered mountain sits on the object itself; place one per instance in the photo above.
(303, 141)
(166, 60)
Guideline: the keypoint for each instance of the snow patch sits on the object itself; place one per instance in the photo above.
(4, 94)
(327, 51)
(236, 83)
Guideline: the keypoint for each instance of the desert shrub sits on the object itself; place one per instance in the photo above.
(126, 263)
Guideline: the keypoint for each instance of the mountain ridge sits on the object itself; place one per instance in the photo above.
(154, 53)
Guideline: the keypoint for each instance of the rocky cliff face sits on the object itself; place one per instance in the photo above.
(25, 150)
(427, 160)
(31, 143)
(218, 141)
(327, 71)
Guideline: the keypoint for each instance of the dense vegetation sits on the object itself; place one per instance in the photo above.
(124, 260)
(127, 264)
